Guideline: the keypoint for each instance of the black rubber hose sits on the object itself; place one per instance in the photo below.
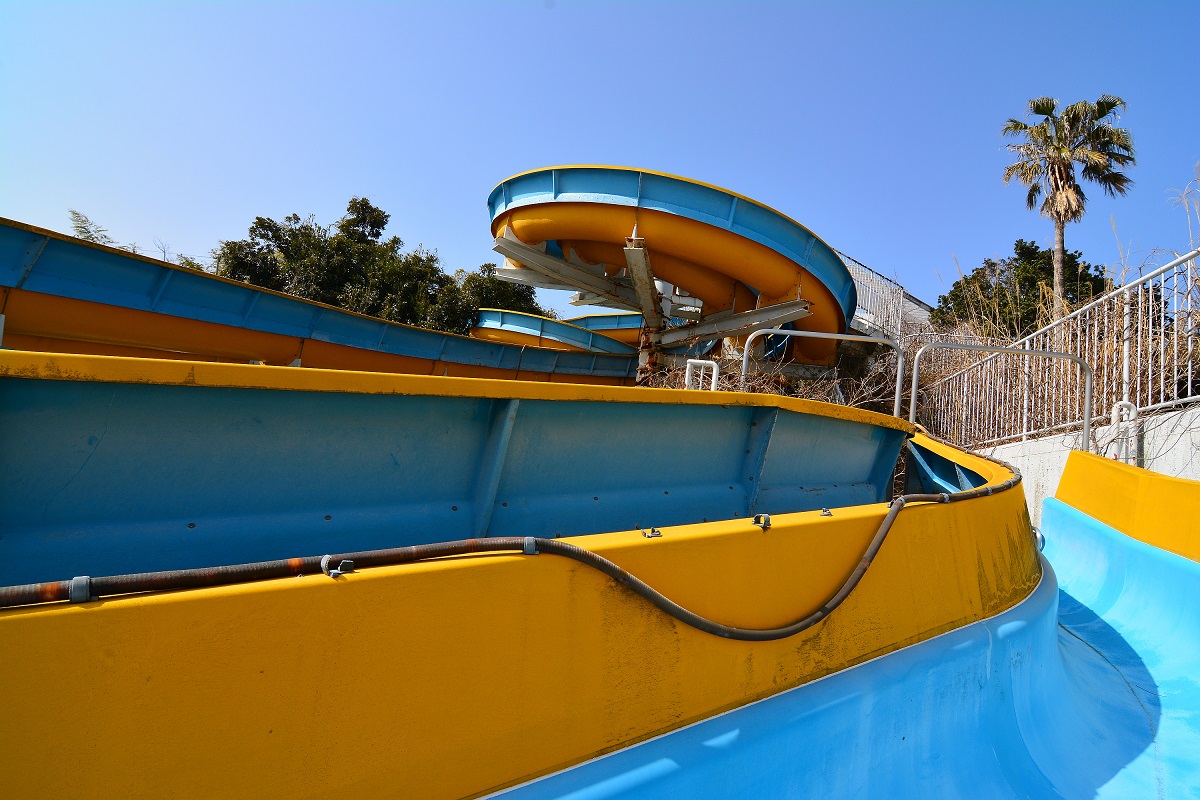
(241, 573)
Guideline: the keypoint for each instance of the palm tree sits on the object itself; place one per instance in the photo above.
(1081, 134)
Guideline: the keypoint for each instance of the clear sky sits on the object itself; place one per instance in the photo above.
(876, 125)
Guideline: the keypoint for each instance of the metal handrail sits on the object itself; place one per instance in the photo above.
(983, 348)
(1117, 292)
(849, 337)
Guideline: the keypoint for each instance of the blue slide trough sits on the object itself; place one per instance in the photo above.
(113, 473)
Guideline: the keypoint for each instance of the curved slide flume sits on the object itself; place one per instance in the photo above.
(1088, 688)
(153, 466)
(729, 252)
(517, 327)
(625, 328)
(612, 334)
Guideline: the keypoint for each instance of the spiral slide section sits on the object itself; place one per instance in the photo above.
(670, 247)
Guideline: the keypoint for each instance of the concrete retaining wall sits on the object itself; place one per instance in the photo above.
(1166, 442)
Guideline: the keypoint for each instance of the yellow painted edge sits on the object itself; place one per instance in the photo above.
(117, 369)
(712, 186)
(1156, 509)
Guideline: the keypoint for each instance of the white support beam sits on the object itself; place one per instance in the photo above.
(637, 262)
(593, 299)
(741, 323)
(579, 277)
(529, 277)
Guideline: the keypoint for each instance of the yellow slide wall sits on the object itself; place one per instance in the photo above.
(51, 324)
(1152, 508)
(455, 677)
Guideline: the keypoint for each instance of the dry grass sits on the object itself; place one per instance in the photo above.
(990, 399)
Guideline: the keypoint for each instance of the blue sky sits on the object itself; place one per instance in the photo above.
(876, 125)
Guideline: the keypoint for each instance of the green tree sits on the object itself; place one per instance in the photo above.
(1006, 297)
(190, 263)
(484, 290)
(83, 228)
(350, 264)
(1082, 134)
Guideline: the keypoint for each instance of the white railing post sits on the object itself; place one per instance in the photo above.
(1126, 338)
(696, 368)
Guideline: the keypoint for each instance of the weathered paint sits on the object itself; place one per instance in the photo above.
(456, 677)
(1152, 508)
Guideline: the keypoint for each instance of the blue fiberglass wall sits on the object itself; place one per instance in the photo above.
(104, 478)
(1089, 688)
(66, 268)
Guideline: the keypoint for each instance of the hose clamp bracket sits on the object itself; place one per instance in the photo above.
(342, 569)
(80, 590)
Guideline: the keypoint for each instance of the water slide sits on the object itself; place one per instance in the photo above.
(736, 264)
(624, 327)
(738, 613)
(61, 294)
(598, 333)
(1090, 687)
(667, 247)
(167, 525)
(443, 584)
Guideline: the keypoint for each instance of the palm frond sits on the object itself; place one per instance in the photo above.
(1106, 104)
(1014, 127)
(1045, 106)
(1066, 204)
(1031, 198)
(1078, 134)
(1113, 183)
(1089, 158)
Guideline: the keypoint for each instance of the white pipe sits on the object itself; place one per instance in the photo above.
(696, 367)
